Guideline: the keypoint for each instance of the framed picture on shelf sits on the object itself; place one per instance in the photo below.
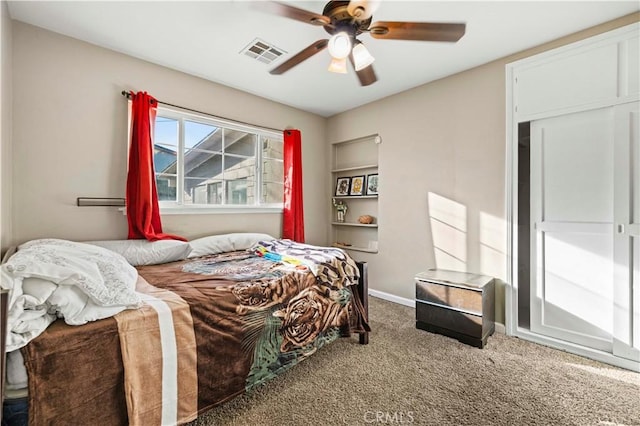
(357, 185)
(342, 186)
(372, 184)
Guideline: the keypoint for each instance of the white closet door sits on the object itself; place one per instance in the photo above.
(626, 342)
(572, 215)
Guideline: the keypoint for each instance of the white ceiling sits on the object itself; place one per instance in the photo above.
(204, 38)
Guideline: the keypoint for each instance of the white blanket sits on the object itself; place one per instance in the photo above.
(52, 278)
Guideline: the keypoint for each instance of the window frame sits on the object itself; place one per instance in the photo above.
(178, 206)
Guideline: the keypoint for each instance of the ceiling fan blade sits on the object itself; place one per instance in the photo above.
(292, 12)
(303, 55)
(421, 31)
(367, 75)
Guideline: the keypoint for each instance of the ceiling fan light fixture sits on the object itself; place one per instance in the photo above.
(338, 66)
(340, 45)
(362, 9)
(361, 56)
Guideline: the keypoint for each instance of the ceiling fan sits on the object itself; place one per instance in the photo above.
(345, 21)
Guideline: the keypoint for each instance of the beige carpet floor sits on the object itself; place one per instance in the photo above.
(410, 376)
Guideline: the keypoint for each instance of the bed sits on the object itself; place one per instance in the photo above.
(209, 326)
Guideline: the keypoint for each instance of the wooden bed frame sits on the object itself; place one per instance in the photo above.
(363, 293)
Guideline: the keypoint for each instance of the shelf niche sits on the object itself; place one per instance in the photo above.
(357, 157)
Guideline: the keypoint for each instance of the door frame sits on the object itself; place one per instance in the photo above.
(511, 189)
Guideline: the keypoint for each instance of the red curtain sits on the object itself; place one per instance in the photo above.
(293, 218)
(143, 213)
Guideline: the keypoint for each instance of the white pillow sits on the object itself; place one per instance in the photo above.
(215, 244)
(143, 252)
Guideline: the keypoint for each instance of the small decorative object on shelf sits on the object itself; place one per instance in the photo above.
(366, 219)
(341, 208)
(340, 244)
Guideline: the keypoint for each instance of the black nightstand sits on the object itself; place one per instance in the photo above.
(456, 304)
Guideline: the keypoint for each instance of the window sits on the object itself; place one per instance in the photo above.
(202, 162)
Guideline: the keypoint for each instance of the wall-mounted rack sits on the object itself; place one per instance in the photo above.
(98, 202)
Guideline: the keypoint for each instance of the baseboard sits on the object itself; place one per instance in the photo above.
(500, 328)
(392, 298)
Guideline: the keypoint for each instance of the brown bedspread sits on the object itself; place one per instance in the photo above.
(113, 371)
(252, 319)
(159, 357)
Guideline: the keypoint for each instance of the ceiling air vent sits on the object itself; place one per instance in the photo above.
(262, 51)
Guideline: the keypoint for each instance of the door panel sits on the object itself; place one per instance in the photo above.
(572, 214)
(575, 267)
(626, 341)
(577, 178)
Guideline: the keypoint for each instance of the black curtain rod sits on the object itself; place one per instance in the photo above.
(128, 96)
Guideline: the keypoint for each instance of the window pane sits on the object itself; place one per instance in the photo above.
(241, 143)
(165, 131)
(189, 189)
(240, 175)
(165, 145)
(206, 192)
(272, 148)
(166, 186)
(164, 159)
(214, 192)
(201, 164)
(272, 170)
(272, 192)
(239, 167)
(240, 191)
(202, 136)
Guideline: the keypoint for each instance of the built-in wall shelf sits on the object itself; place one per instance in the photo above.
(365, 225)
(349, 169)
(355, 159)
(354, 197)
(354, 248)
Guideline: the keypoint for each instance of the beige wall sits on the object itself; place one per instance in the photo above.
(70, 139)
(442, 174)
(6, 91)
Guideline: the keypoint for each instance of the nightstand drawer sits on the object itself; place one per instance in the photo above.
(470, 325)
(465, 299)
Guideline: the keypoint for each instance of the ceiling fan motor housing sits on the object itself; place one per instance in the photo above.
(341, 19)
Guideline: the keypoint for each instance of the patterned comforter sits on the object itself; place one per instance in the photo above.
(252, 319)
